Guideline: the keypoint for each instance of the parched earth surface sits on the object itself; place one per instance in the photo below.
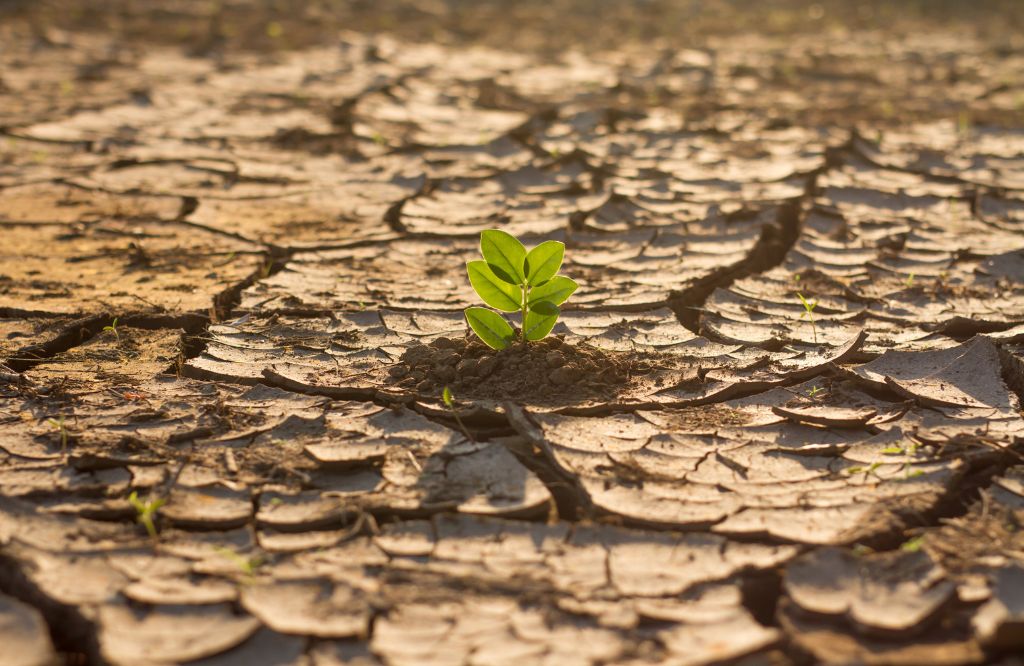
(231, 292)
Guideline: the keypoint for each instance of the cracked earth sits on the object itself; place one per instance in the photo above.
(232, 280)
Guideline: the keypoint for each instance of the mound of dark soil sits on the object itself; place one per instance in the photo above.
(539, 371)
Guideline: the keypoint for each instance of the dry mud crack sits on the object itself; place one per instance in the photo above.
(231, 288)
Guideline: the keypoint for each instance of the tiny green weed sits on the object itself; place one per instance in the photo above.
(809, 313)
(910, 281)
(510, 279)
(449, 402)
(112, 328)
(146, 512)
(814, 391)
(247, 565)
(59, 425)
(912, 545)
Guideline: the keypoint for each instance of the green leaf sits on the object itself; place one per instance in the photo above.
(505, 254)
(446, 396)
(491, 327)
(493, 291)
(543, 262)
(540, 320)
(556, 291)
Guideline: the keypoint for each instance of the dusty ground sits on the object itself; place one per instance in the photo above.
(231, 280)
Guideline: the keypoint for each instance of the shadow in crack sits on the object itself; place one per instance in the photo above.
(480, 478)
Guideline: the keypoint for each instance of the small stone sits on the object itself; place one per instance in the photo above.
(563, 376)
(486, 367)
(446, 374)
(398, 371)
(425, 386)
(466, 367)
(443, 343)
(554, 359)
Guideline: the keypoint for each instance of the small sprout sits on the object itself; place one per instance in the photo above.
(893, 451)
(963, 122)
(814, 390)
(247, 565)
(910, 281)
(870, 470)
(809, 313)
(112, 328)
(274, 30)
(796, 277)
(146, 511)
(511, 279)
(446, 398)
(379, 139)
(59, 425)
(913, 545)
(860, 550)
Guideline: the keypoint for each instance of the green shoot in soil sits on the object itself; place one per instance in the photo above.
(446, 397)
(247, 565)
(58, 425)
(809, 313)
(912, 545)
(146, 511)
(113, 329)
(511, 279)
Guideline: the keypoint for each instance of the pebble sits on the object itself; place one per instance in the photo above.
(486, 367)
(554, 360)
(562, 376)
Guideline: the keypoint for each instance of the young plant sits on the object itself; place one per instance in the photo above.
(113, 329)
(247, 565)
(146, 511)
(809, 313)
(449, 402)
(510, 279)
(62, 429)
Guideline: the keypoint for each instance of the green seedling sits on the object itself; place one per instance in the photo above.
(870, 470)
(59, 425)
(809, 313)
(510, 279)
(446, 397)
(910, 281)
(247, 565)
(910, 450)
(912, 545)
(963, 123)
(814, 391)
(112, 328)
(146, 512)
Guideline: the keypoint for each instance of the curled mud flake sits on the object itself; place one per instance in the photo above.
(174, 633)
(24, 634)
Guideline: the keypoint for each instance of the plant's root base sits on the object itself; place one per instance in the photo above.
(550, 369)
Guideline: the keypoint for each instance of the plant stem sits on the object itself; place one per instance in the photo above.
(525, 310)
